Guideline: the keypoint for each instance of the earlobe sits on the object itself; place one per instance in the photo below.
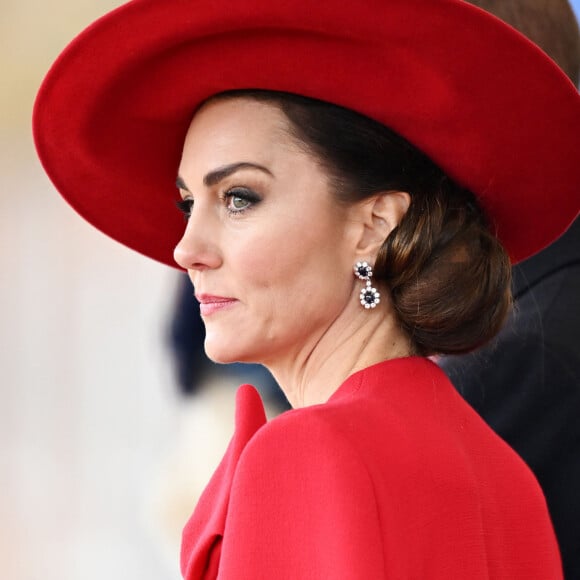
(383, 213)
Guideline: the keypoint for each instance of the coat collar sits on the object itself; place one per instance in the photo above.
(202, 535)
(201, 541)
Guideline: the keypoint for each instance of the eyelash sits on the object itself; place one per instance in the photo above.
(186, 205)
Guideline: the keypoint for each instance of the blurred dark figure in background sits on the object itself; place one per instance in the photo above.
(526, 384)
(186, 336)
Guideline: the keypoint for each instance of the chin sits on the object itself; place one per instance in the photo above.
(219, 352)
(220, 357)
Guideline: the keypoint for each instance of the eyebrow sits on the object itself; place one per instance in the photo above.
(215, 176)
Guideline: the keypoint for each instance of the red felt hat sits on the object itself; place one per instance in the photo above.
(483, 102)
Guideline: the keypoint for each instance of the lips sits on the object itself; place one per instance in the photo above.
(209, 304)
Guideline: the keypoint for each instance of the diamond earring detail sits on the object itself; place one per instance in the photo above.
(369, 297)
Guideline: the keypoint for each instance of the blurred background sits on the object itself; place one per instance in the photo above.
(101, 456)
(91, 419)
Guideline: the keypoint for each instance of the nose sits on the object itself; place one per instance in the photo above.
(198, 248)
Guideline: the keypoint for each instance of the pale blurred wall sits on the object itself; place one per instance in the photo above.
(88, 411)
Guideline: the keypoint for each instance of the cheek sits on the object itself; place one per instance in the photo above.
(279, 256)
(262, 260)
(298, 267)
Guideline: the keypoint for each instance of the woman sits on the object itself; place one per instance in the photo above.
(324, 245)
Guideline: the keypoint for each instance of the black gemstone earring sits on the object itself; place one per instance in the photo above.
(369, 297)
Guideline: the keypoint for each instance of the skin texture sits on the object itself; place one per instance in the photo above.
(280, 248)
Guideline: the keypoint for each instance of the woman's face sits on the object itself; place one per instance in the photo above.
(268, 248)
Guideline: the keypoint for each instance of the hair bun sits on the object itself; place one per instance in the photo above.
(449, 277)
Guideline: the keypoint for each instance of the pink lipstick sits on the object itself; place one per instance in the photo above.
(209, 304)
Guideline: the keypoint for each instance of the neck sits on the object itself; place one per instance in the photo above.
(350, 344)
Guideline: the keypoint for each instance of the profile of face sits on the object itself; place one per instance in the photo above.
(268, 248)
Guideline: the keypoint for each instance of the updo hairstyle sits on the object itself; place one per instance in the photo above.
(448, 276)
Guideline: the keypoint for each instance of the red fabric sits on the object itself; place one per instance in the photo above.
(482, 101)
(395, 477)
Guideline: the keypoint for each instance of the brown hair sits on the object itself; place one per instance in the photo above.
(448, 275)
(548, 23)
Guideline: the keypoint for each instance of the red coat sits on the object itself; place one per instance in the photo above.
(395, 477)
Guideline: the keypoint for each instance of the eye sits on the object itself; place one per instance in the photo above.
(185, 206)
(238, 203)
(240, 199)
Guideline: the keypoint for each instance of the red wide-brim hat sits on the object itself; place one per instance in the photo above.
(488, 106)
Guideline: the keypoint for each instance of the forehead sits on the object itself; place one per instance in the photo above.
(227, 121)
(239, 129)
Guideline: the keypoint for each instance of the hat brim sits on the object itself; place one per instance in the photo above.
(482, 101)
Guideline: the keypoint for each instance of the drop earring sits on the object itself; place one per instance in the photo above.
(369, 297)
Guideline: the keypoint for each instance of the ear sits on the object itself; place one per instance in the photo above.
(381, 214)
